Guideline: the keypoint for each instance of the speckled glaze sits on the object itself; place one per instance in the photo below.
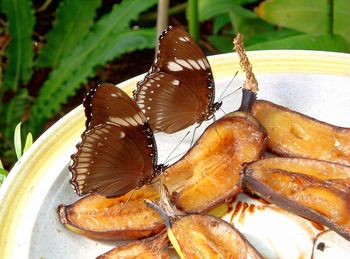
(314, 83)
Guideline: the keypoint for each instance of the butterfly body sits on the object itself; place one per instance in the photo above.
(179, 89)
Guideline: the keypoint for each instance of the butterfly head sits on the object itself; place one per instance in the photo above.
(158, 169)
(216, 106)
(213, 108)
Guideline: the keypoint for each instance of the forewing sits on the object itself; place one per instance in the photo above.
(181, 56)
(108, 103)
(168, 103)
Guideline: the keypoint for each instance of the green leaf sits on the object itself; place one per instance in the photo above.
(271, 36)
(219, 22)
(222, 43)
(127, 41)
(246, 25)
(92, 51)
(73, 20)
(18, 141)
(3, 173)
(328, 42)
(306, 16)
(242, 20)
(192, 18)
(208, 9)
(13, 112)
(20, 17)
(245, 2)
(2, 176)
(342, 18)
(29, 142)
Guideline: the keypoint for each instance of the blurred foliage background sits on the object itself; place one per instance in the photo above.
(53, 51)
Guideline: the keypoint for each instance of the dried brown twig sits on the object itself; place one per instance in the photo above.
(251, 83)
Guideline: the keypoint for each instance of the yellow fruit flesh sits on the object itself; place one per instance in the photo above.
(296, 135)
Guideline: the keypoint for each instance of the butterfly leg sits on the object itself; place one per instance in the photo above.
(167, 159)
(194, 133)
(127, 201)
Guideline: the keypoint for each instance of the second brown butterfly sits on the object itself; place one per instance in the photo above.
(179, 89)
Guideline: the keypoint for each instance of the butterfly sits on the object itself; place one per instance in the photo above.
(117, 152)
(178, 91)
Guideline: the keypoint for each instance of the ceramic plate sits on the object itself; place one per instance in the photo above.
(311, 82)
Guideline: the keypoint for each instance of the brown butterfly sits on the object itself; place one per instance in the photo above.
(178, 91)
(118, 152)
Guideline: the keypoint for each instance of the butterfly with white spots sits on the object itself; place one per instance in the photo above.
(178, 91)
(117, 152)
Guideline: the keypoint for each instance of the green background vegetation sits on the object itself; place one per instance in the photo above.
(85, 36)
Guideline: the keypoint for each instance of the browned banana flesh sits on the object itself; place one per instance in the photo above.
(200, 235)
(204, 236)
(209, 173)
(98, 217)
(150, 248)
(317, 190)
(293, 134)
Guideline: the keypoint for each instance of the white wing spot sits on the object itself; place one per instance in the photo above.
(184, 63)
(201, 63)
(175, 82)
(138, 119)
(172, 66)
(119, 121)
(194, 64)
(114, 95)
(184, 38)
(131, 121)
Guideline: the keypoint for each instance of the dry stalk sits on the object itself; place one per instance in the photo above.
(250, 83)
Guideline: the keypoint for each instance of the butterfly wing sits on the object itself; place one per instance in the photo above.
(163, 113)
(181, 58)
(117, 152)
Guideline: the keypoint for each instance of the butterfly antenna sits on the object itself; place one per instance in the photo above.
(167, 159)
(222, 111)
(227, 87)
(235, 91)
(178, 155)
(127, 201)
